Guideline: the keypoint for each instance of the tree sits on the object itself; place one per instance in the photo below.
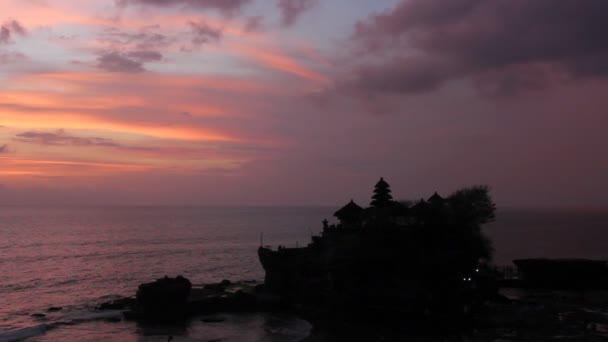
(473, 205)
(470, 209)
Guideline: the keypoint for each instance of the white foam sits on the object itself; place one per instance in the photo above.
(23, 333)
(86, 316)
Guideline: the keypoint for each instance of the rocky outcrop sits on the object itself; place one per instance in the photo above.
(171, 299)
(576, 274)
(164, 298)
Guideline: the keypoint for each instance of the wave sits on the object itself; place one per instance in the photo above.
(82, 316)
(24, 333)
(70, 318)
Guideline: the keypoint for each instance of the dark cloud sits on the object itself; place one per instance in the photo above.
(129, 62)
(128, 51)
(9, 29)
(145, 39)
(3, 149)
(254, 24)
(117, 62)
(60, 137)
(203, 33)
(16, 27)
(406, 74)
(292, 9)
(146, 56)
(502, 45)
(225, 6)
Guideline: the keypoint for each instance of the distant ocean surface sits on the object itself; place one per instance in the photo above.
(78, 257)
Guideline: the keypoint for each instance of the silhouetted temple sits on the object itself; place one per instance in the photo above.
(435, 199)
(350, 213)
(382, 194)
(390, 256)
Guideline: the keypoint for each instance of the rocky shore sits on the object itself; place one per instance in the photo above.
(395, 270)
(174, 299)
(515, 314)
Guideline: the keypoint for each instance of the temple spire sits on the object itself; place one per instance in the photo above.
(382, 194)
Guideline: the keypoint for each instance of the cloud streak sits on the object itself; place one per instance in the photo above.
(225, 6)
(60, 137)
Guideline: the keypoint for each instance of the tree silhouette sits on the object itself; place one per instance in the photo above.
(382, 194)
(473, 205)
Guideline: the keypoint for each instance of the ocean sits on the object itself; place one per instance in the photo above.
(75, 258)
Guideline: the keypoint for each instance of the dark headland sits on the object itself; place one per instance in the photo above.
(395, 270)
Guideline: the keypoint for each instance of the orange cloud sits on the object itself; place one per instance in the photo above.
(36, 15)
(82, 81)
(45, 99)
(280, 61)
(19, 167)
(82, 101)
(33, 162)
(56, 120)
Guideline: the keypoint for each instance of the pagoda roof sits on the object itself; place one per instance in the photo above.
(350, 209)
(435, 198)
(382, 183)
(421, 204)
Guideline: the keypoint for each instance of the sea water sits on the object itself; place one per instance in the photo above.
(77, 257)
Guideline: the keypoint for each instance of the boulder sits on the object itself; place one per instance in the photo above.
(563, 274)
(164, 296)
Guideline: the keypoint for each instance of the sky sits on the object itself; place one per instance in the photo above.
(302, 102)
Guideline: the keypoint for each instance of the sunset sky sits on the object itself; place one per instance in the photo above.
(302, 102)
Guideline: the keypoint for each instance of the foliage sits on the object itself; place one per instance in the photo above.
(472, 205)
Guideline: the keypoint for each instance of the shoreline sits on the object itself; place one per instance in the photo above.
(521, 315)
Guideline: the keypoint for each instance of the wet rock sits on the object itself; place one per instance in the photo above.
(213, 319)
(54, 309)
(164, 298)
(563, 273)
(218, 287)
(118, 304)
